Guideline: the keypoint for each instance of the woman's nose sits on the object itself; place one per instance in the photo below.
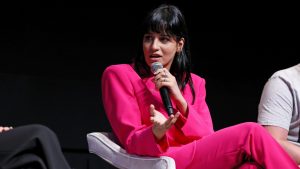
(155, 44)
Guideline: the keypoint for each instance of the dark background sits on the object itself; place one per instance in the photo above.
(53, 53)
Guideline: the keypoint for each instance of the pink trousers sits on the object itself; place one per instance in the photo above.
(243, 146)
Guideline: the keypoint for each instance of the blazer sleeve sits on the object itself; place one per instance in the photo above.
(198, 122)
(122, 110)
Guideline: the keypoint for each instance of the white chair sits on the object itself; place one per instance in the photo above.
(104, 145)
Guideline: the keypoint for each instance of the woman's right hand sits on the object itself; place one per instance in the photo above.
(2, 129)
(160, 123)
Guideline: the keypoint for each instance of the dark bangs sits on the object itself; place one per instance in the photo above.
(164, 21)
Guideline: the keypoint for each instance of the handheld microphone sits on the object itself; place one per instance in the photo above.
(164, 94)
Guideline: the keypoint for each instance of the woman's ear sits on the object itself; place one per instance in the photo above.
(180, 45)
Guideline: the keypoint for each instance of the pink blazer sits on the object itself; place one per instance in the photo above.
(126, 100)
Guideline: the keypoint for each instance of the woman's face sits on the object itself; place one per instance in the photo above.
(161, 48)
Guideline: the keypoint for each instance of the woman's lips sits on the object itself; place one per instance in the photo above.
(155, 59)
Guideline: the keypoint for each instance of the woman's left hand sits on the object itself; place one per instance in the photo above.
(160, 123)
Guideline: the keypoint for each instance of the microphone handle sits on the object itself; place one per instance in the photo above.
(166, 100)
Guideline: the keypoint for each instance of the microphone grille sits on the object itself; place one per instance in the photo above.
(155, 66)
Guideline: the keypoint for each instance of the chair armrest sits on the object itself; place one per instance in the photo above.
(103, 145)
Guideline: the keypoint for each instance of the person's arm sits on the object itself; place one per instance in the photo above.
(194, 119)
(120, 101)
(280, 134)
(197, 122)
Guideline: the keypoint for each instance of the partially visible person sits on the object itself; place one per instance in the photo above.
(5, 128)
(279, 109)
(31, 146)
(135, 110)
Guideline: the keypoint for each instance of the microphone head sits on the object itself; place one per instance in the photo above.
(155, 66)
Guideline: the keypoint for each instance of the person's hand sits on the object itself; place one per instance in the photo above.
(162, 77)
(3, 128)
(160, 123)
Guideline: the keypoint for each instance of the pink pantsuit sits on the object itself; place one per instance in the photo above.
(192, 141)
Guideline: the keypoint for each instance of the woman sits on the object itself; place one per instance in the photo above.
(138, 117)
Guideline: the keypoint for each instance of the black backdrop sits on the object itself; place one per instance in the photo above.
(52, 55)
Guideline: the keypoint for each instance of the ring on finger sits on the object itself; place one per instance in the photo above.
(165, 74)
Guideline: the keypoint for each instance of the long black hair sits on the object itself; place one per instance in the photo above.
(170, 20)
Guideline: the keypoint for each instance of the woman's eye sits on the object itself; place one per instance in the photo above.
(164, 39)
(148, 38)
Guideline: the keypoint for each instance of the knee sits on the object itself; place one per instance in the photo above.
(254, 127)
(39, 128)
(252, 124)
(249, 165)
(41, 131)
